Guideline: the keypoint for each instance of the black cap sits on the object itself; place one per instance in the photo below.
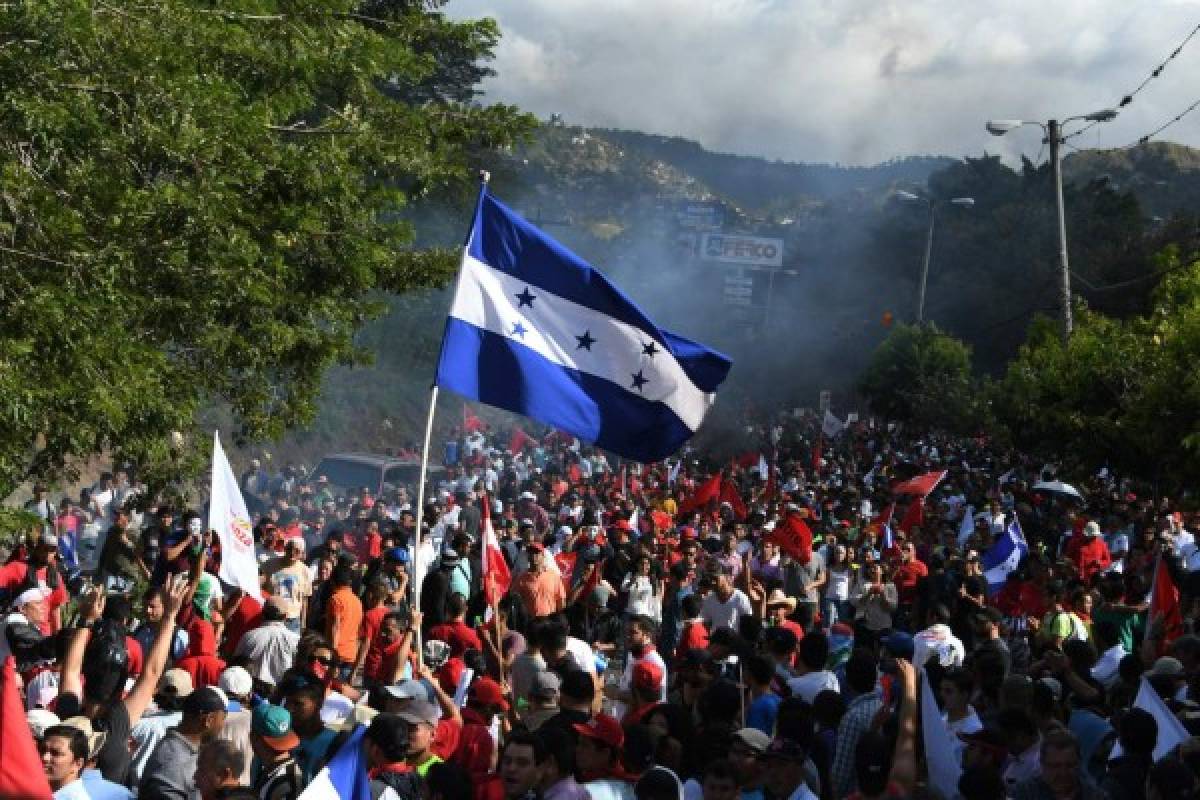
(203, 701)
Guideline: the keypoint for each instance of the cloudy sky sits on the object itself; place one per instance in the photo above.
(849, 81)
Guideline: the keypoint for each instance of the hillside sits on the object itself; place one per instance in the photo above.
(638, 206)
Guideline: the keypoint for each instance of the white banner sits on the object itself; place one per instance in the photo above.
(227, 515)
(942, 748)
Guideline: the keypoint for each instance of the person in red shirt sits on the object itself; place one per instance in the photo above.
(374, 610)
(201, 661)
(1091, 556)
(455, 632)
(907, 574)
(779, 608)
(476, 748)
(694, 635)
(391, 649)
(599, 750)
(646, 686)
(242, 613)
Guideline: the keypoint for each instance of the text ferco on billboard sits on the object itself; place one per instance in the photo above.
(753, 250)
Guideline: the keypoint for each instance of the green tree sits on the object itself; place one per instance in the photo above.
(923, 376)
(200, 204)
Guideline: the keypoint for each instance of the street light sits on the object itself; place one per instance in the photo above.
(1054, 137)
(963, 202)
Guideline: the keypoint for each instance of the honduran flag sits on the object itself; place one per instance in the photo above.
(1005, 555)
(536, 330)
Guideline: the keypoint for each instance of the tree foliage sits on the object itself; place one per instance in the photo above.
(1122, 392)
(199, 204)
(922, 376)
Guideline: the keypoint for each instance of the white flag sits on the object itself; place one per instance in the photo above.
(1170, 730)
(967, 527)
(832, 426)
(227, 515)
(942, 748)
(762, 466)
(673, 474)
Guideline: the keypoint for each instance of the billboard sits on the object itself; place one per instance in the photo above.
(735, 249)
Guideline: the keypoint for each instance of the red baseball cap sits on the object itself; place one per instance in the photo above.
(604, 729)
(647, 675)
(487, 692)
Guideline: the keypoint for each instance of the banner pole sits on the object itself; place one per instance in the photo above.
(418, 535)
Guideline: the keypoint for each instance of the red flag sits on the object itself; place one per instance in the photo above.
(471, 423)
(729, 494)
(793, 537)
(705, 493)
(21, 773)
(519, 440)
(1164, 603)
(915, 515)
(497, 577)
(922, 485)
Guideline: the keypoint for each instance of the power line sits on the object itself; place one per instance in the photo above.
(1127, 99)
(1156, 72)
(1165, 125)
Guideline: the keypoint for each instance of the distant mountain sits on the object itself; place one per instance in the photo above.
(1165, 177)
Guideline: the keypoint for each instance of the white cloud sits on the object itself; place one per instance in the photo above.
(845, 81)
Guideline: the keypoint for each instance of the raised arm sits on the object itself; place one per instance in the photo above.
(175, 595)
(69, 680)
(904, 759)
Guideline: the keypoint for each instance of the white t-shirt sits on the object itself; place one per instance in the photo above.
(808, 686)
(727, 614)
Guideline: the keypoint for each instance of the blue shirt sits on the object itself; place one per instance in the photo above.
(762, 712)
(100, 789)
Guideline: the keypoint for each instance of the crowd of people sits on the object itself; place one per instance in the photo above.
(776, 623)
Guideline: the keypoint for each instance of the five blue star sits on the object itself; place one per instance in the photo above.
(639, 380)
(519, 329)
(525, 298)
(585, 342)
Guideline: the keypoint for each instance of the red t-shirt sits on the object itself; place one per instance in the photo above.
(906, 578)
(460, 636)
(369, 633)
(794, 627)
(695, 637)
(135, 656)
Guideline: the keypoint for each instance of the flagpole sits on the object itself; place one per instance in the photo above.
(418, 536)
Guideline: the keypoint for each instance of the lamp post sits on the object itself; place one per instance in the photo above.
(1054, 137)
(965, 202)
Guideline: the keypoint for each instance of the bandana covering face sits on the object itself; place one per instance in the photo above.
(205, 592)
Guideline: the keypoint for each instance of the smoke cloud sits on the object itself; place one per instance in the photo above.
(845, 82)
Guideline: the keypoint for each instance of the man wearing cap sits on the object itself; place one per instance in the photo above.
(288, 578)
(22, 631)
(476, 748)
(746, 753)
(270, 649)
(273, 740)
(1091, 555)
(237, 685)
(543, 699)
(785, 759)
(539, 588)
(446, 715)
(598, 755)
(170, 772)
(422, 718)
(645, 688)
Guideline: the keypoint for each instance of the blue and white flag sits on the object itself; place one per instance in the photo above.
(1004, 555)
(345, 776)
(536, 330)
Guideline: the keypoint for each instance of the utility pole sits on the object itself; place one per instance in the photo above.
(1054, 135)
(925, 265)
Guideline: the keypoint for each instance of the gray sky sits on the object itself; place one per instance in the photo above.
(847, 81)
